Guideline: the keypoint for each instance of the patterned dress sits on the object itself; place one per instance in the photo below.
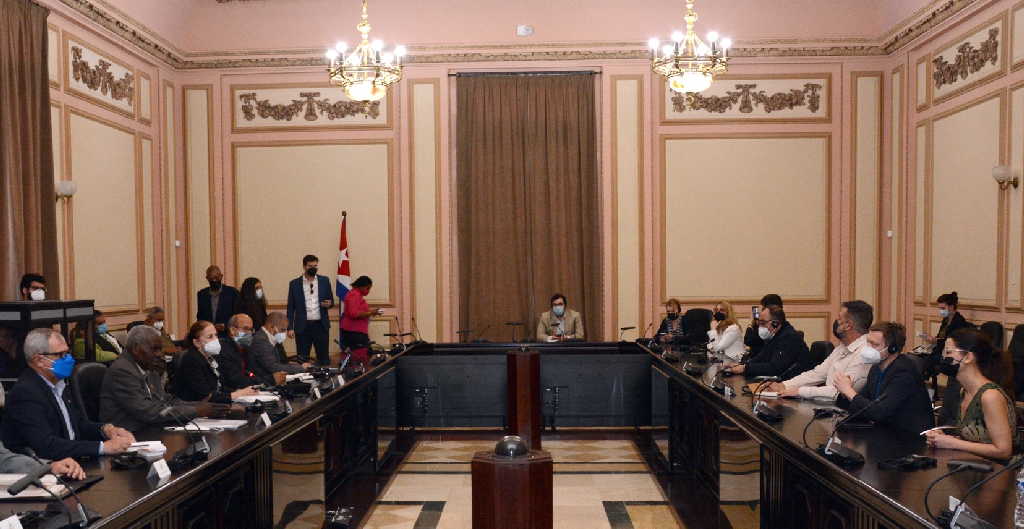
(972, 423)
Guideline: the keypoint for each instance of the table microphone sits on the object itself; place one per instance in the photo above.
(82, 509)
(31, 478)
(966, 519)
(622, 330)
(839, 454)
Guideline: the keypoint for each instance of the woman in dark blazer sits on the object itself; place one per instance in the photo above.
(251, 301)
(197, 377)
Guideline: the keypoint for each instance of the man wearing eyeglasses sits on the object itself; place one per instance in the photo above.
(309, 298)
(41, 414)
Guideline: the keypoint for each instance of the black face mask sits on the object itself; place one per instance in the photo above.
(835, 330)
(215, 285)
(949, 367)
(312, 271)
(672, 315)
(719, 316)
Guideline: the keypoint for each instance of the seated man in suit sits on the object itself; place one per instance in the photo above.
(198, 375)
(266, 358)
(155, 318)
(560, 323)
(851, 329)
(750, 337)
(133, 393)
(216, 303)
(42, 416)
(906, 406)
(33, 287)
(234, 372)
(782, 347)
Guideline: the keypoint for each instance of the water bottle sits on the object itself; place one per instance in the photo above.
(1018, 512)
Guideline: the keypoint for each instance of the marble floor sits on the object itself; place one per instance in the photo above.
(598, 484)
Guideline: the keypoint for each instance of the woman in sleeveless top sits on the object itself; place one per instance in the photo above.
(986, 415)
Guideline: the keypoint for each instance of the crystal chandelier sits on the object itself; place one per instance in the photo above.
(688, 63)
(366, 73)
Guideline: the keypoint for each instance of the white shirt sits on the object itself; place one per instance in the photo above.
(728, 343)
(311, 289)
(817, 382)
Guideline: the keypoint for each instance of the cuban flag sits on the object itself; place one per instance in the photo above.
(343, 282)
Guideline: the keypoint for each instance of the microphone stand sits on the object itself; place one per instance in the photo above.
(514, 325)
(67, 511)
(622, 331)
(973, 520)
(839, 454)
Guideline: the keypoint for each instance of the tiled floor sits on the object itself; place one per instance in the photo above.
(599, 484)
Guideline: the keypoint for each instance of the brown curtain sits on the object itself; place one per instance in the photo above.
(28, 221)
(527, 200)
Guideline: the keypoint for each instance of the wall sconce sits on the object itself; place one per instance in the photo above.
(65, 189)
(1004, 176)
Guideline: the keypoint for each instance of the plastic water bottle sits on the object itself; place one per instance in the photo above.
(1018, 512)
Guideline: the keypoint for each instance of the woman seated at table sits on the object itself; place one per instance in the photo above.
(672, 330)
(725, 334)
(197, 377)
(78, 346)
(985, 417)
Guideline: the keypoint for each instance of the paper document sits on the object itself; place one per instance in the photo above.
(260, 397)
(50, 482)
(147, 446)
(304, 377)
(209, 425)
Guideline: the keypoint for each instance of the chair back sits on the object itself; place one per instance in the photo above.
(86, 383)
(1016, 351)
(697, 323)
(819, 351)
(994, 331)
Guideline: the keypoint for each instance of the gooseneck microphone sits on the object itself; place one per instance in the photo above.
(836, 452)
(31, 478)
(622, 331)
(82, 509)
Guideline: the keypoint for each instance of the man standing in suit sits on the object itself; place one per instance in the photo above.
(216, 303)
(265, 359)
(40, 413)
(309, 297)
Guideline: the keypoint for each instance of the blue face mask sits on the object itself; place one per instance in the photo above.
(102, 328)
(559, 310)
(63, 366)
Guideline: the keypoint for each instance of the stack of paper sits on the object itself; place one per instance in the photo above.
(259, 397)
(203, 424)
(303, 377)
(147, 446)
(50, 482)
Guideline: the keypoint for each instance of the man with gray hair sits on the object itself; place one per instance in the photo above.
(41, 414)
(156, 318)
(133, 393)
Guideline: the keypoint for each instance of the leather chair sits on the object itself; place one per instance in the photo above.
(1016, 351)
(1003, 372)
(697, 323)
(86, 382)
(994, 331)
(819, 351)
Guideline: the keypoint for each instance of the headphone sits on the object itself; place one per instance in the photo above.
(893, 349)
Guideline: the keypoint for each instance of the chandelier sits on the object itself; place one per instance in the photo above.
(689, 64)
(366, 73)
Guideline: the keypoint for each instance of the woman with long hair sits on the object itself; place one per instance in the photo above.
(252, 302)
(725, 334)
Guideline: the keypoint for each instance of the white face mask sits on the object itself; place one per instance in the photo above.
(870, 355)
(212, 347)
(764, 333)
(280, 337)
(259, 293)
(158, 325)
(942, 312)
(38, 294)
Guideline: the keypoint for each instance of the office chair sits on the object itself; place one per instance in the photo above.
(86, 383)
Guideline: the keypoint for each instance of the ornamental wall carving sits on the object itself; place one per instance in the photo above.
(971, 59)
(768, 98)
(303, 106)
(968, 60)
(95, 75)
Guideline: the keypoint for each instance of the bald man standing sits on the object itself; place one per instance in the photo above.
(216, 302)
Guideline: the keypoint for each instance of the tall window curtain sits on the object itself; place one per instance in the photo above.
(28, 222)
(527, 201)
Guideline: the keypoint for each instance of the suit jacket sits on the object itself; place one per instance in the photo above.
(906, 406)
(297, 303)
(947, 327)
(572, 321)
(32, 418)
(195, 380)
(225, 305)
(264, 359)
(778, 354)
(133, 399)
(233, 372)
(13, 463)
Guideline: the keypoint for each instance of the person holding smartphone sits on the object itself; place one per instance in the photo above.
(750, 338)
(355, 320)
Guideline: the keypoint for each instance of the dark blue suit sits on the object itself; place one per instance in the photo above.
(32, 418)
(225, 305)
(308, 333)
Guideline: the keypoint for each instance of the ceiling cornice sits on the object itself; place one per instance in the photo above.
(152, 44)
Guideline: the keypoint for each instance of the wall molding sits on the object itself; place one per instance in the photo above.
(305, 103)
(854, 78)
(747, 96)
(613, 294)
(1002, 54)
(211, 178)
(95, 98)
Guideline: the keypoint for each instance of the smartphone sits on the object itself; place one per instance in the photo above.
(755, 311)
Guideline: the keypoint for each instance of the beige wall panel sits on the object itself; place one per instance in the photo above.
(812, 326)
(964, 222)
(379, 327)
(146, 163)
(867, 158)
(56, 138)
(896, 138)
(1017, 39)
(105, 249)
(197, 164)
(53, 54)
(709, 264)
(1014, 257)
(918, 329)
(145, 96)
(425, 222)
(280, 220)
(921, 70)
(627, 187)
(170, 206)
(920, 170)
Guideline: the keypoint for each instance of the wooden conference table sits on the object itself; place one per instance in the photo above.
(340, 450)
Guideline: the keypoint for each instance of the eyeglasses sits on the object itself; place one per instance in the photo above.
(57, 354)
(961, 351)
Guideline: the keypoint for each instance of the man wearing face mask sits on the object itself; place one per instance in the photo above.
(155, 318)
(216, 303)
(33, 287)
(906, 406)
(560, 323)
(782, 347)
(850, 329)
(104, 340)
(309, 297)
(233, 372)
(133, 393)
(41, 414)
(264, 357)
(198, 376)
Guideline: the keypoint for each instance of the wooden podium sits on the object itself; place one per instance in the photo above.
(524, 396)
(23, 316)
(512, 492)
